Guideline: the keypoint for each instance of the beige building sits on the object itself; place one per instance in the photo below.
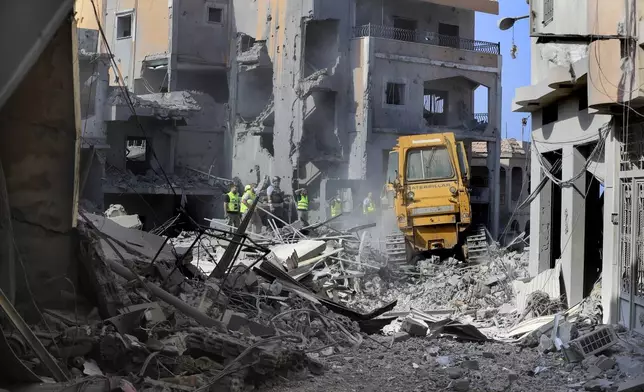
(587, 136)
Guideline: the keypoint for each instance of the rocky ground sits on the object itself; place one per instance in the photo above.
(421, 364)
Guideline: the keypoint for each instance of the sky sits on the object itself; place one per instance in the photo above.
(515, 72)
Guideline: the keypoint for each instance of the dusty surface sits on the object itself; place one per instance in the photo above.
(436, 365)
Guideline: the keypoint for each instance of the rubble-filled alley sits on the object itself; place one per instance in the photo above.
(307, 309)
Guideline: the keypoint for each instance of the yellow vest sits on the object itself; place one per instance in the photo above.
(336, 208)
(369, 208)
(251, 198)
(233, 202)
(303, 203)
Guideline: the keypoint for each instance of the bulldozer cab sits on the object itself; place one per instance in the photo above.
(427, 177)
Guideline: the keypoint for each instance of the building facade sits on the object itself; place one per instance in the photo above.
(586, 136)
(321, 89)
(165, 142)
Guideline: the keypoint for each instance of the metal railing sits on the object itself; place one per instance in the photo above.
(426, 37)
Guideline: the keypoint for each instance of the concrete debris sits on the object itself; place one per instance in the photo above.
(299, 300)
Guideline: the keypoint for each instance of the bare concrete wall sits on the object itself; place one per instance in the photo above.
(426, 15)
(39, 128)
(200, 41)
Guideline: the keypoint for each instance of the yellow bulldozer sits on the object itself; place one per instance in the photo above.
(427, 190)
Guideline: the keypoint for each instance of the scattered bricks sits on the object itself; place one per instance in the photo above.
(414, 327)
(605, 363)
(454, 373)
(401, 336)
(545, 344)
(471, 365)
(632, 385)
(461, 385)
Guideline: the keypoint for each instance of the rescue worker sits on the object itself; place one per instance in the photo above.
(276, 199)
(250, 194)
(302, 198)
(336, 206)
(368, 207)
(231, 206)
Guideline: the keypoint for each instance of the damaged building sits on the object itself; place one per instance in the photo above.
(155, 106)
(586, 158)
(514, 186)
(320, 90)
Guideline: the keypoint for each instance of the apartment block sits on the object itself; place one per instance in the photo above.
(164, 142)
(321, 89)
(586, 160)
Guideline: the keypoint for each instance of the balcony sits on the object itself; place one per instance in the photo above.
(426, 37)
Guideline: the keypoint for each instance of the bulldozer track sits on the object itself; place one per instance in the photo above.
(476, 244)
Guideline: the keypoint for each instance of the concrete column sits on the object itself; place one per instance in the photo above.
(360, 139)
(540, 219)
(573, 230)
(173, 20)
(494, 184)
(611, 262)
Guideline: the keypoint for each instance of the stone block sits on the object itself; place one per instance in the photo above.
(454, 373)
(414, 327)
(472, 365)
(461, 385)
(605, 363)
(545, 344)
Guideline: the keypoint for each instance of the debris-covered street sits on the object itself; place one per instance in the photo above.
(323, 195)
(312, 309)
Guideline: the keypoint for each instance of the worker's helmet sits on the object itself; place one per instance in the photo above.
(248, 187)
(276, 179)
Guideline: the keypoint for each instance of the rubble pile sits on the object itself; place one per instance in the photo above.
(188, 179)
(208, 310)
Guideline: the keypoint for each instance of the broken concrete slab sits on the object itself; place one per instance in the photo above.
(632, 385)
(414, 327)
(401, 336)
(305, 249)
(134, 245)
(236, 321)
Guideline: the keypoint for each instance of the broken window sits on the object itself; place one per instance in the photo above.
(435, 107)
(215, 15)
(124, 26)
(548, 11)
(395, 94)
(550, 114)
(404, 29)
(517, 182)
(137, 154)
(448, 35)
(431, 163)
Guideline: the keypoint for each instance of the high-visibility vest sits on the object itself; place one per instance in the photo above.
(303, 203)
(369, 208)
(251, 198)
(233, 202)
(336, 208)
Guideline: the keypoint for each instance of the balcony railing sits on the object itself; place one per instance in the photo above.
(426, 37)
(482, 118)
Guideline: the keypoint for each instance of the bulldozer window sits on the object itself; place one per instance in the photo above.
(392, 166)
(433, 163)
